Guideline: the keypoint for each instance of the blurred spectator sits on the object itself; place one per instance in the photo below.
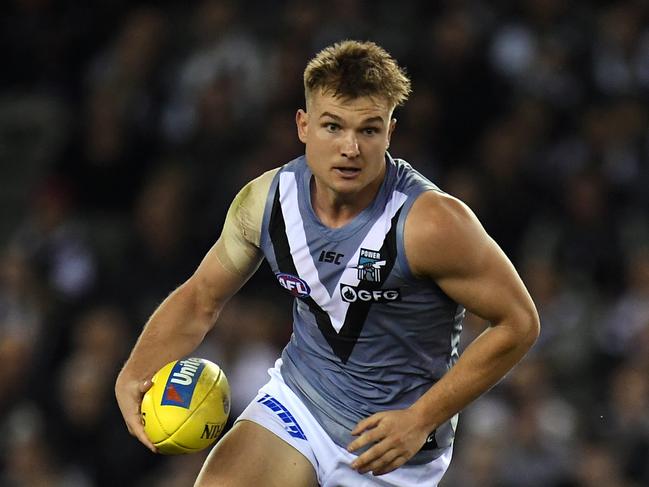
(159, 239)
(627, 425)
(534, 51)
(620, 48)
(53, 239)
(598, 465)
(224, 61)
(629, 313)
(588, 249)
(84, 404)
(507, 203)
(568, 341)
(245, 343)
(179, 471)
(23, 305)
(111, 151)
(540, 413)
(29, 459)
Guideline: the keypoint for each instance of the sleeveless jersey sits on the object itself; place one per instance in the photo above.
(368, 336)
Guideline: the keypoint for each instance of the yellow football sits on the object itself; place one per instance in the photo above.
(187, 407)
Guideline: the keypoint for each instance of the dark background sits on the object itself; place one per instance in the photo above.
(127, 127)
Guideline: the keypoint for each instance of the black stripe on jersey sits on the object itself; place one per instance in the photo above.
(341, 343)
(277, 231)
(285, 263)
(358, 310)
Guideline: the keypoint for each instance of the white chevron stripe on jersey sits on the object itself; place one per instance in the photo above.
(288, 198)
(334, 306)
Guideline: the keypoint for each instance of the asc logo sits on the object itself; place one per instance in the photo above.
(294, 285)
(351, 294)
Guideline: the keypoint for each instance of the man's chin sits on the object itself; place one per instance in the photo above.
(348, 186)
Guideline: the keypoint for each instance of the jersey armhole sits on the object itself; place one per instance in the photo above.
(273, 182)
(401, 245)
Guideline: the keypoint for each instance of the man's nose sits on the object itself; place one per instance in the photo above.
(350, 147)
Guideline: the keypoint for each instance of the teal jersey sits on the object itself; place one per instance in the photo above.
(368, 336)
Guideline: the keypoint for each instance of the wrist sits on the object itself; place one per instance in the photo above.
(424, 418)
(128, 375)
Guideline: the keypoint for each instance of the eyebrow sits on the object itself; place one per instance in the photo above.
(364, 122)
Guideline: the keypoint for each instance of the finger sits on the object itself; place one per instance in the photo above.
(372, 455)
(145, 386)
(367, 423)
(368, 437)
(390, 466)
(129, 402)
(136, 428)
(144, 439)
(381, 462)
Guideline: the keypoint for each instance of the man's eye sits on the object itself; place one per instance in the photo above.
(370, 130)
(332, 127)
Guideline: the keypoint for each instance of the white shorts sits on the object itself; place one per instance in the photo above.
(280, 411)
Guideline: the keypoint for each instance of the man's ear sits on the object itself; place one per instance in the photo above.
(393, 124)
(302, 122)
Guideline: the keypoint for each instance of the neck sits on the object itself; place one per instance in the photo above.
(336, 210)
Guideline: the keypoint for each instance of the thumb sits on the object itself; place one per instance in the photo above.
(145, 385)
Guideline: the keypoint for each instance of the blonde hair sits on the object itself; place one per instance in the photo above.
(351, 69)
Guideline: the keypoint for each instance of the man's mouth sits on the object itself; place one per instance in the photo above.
(348, 171)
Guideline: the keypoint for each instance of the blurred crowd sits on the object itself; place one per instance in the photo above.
(127, 127)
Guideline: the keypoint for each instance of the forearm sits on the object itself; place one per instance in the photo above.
(484, 362)
(174, 330)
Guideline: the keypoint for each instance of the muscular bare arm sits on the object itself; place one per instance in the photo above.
(445, 242)
(183, 319)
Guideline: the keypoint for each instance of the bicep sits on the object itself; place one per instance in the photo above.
(221, 274)
(486, 283)
(454, 250)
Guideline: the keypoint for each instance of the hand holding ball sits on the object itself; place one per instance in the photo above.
(187, 407)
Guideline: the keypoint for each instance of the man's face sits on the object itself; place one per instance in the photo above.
(346, 141)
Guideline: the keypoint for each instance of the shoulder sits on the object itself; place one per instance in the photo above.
(436, 213)
(247, 209)
(251, 199)
(256, 191)
(441, 234)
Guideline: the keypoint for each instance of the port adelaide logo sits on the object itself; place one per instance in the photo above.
(369, 267)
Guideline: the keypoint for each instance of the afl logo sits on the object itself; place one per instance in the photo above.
(294, 285)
